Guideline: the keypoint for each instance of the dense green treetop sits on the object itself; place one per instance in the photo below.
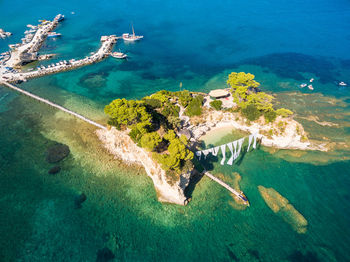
(150, 141)
(177, 154)
(128, 112)
(251, 101)
(242, 79)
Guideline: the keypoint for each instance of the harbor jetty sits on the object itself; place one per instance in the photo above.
(28, 51)
(107, 43)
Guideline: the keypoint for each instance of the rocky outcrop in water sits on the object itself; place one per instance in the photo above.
(79, 200)
(104, 255)
(57, 153)
(121, 146)
(54, 170)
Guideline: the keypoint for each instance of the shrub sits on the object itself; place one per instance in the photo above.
(284, 112)
(184, 97)
(251, 112)
(270, 116)
(194, 108)
(216, 104)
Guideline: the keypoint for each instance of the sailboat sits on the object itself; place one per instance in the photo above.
(133, 37)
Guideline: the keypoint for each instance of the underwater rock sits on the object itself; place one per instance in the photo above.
(281, 206)
(57, 152)
(54, 170)
(80, 199)
(104, 255)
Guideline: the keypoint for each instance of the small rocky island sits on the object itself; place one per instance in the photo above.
(161, 131)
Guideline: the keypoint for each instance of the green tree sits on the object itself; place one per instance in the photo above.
(128, 113)
(261, 100)
(242, 85)
(150, 141)
(178, 153)
(242, 79)
(216, 104)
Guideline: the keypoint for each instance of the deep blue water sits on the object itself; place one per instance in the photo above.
(284, 43)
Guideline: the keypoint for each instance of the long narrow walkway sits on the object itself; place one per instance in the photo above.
(38, 98)
(217, 180)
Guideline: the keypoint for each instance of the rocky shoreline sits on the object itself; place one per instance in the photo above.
(283, 133)
(121, 146)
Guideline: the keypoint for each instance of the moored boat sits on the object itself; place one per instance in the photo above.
(131, 37)
(59, 17)
(53, 34)
(303, 85)
(244, 198)
(310, 87)
(342, 83)
(119, 55)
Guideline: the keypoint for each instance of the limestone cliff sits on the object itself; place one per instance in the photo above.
(120, 144)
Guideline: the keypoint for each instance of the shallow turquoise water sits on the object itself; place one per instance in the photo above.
(199, 43)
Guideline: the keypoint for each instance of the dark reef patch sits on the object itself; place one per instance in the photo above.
(297, 256)
(104, 255)
(79, 200)
(292, 65)
(254, 253)
(54, 170)
(57, 152)
(94, 80)
(232, 256)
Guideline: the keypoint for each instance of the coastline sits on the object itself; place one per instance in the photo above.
(290, 138)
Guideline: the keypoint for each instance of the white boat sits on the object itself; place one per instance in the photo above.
(59, 17)
(342, 83)
(53, 34)
(119, 55)
(131, 37)
(310, 87)
(311, 80)
(303, 85)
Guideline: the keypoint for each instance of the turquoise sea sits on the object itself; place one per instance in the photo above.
(284, 43)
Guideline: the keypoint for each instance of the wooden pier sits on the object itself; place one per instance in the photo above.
(233, 191)
(38, 98)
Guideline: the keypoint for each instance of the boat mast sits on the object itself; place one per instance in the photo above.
(133, 32)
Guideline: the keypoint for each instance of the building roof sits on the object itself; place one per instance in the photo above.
(218, 93)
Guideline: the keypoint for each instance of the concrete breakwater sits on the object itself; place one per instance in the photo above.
(26, 53)
(104, 51)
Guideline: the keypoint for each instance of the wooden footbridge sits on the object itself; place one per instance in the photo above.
(233, 191)
(40, 99)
